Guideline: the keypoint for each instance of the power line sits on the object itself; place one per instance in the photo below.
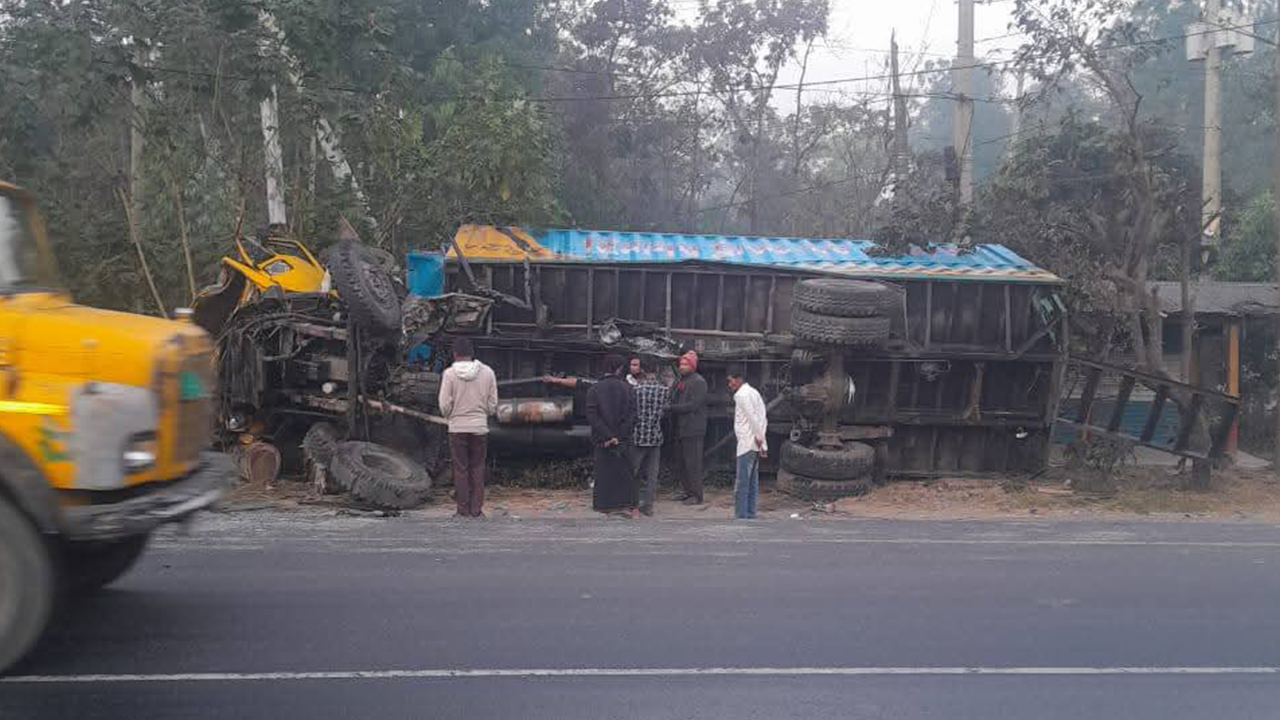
(807, 86)
(799, 191)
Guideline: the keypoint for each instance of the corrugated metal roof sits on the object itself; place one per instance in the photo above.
(840, 256)
(1221, 298)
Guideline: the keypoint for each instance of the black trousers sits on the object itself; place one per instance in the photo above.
(689, 457)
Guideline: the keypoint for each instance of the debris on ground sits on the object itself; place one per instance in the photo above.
(543, 474)
(1237, 493)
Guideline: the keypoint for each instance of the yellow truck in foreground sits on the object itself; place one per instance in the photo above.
(105, 420)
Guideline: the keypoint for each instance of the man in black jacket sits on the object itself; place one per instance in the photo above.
(611, 412)
(689, 408)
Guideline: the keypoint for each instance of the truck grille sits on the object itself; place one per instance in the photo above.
(195, 407)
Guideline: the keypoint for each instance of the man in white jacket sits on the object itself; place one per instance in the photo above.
(468, 396)
(750, 425)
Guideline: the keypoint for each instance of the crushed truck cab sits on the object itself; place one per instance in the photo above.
(105, 421)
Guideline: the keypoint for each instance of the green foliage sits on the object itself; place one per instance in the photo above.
(489, 160)
(430, 147)
(1067, 199)
(1248, 252)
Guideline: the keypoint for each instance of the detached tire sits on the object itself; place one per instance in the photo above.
(821, 491)
(378, 476)
(363, 283)
(26, 585)
(845, 298)
(91, 566)
(859, 332)
(855, 461)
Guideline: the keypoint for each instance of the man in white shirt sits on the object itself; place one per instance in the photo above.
(750, 425)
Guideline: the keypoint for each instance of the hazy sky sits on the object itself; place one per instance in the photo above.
(858, 36)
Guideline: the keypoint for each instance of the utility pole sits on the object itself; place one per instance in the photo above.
(1212, 184)
(137, 140)
(1016, 130)
(1275, 193)
(901, 152)
(1208, 41)
(962, 85)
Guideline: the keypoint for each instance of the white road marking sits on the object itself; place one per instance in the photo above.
(496, 545)
(631, 672)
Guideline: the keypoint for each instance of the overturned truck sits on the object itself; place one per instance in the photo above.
(939, 363)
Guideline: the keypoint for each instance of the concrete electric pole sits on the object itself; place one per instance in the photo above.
(962, 86)
(901, 152)
(1212, 184)
(1207, 41)
(1275, 194)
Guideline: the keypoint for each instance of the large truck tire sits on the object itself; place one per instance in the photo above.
(845, 298)
(26, 585)
(415, 389)
(363, 283)
(91, 566)
(854, 461)
(858, 332)
(821, 491)
(378, 476)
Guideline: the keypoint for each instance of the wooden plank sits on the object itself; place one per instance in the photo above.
(979, 316)
(1122, 400)
(1223, 441)
(1008, 447)
(644, 293)
(1154, 380)
(1102, 432)
(591, 298)
(773, 290)
(895, 377)
(973, 411)
(1086, 397)
(953, 309)
(1187, 423)
(1008, 321)
(933, 449)
(1153, 419)
(617, 292)
(1233, 381)
(928, 314)
(720, 302)
(668, 323)
(915, 391)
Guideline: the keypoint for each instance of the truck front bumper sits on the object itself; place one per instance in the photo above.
(142, 514)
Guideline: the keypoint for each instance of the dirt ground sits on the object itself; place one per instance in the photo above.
(1252, 494)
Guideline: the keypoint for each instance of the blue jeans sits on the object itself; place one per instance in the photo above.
(746, 486)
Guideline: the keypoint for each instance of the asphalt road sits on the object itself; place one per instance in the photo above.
(267, 616)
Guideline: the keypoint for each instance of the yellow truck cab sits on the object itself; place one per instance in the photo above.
(105, 420)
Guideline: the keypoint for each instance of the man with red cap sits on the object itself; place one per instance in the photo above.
(689, 409)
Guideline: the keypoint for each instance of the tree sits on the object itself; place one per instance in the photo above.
(631, 154)
(742, 45)
(1068, 200)
(1248, 243)
(415, 133)
(1098, 40)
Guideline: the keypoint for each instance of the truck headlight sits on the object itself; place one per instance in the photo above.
(139, 453)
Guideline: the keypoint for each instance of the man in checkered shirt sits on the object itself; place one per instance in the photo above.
(646, 443)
